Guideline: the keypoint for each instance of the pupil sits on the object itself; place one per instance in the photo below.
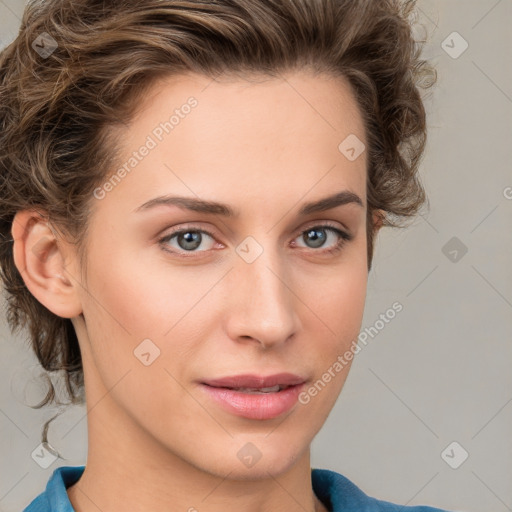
(190, 237)
(316, 236)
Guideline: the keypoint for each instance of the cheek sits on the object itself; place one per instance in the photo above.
(130, 300)
(127, 312)
(338, 305)
(132, 293)
(337, 297)
(345, 302)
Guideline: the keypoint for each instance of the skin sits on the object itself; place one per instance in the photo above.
(156, 441)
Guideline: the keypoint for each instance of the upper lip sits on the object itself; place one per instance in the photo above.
(256, 381)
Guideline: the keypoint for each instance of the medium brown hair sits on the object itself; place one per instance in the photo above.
(56, 109)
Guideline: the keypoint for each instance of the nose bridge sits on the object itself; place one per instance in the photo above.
(263, 304)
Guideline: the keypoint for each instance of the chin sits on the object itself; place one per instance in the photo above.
(259, 458)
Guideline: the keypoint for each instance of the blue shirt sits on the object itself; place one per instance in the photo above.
(337, 493)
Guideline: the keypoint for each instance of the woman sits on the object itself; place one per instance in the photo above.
(192, 191)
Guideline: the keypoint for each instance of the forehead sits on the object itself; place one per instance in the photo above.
(257, 100)
(218, 137)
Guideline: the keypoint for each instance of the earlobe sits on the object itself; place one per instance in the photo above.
(39, 255)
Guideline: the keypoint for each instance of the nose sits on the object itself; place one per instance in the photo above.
(262, 304)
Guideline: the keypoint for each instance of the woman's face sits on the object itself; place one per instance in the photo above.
(256, 292)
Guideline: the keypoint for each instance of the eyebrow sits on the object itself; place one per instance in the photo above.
(215, 208)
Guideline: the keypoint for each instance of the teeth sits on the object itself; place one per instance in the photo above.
(273, 389)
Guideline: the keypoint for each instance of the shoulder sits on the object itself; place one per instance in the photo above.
(339, 494)
(55, 498)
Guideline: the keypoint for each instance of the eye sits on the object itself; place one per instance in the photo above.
(316, 236)
(188, 239)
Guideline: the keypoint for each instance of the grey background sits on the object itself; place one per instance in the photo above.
(440, 370)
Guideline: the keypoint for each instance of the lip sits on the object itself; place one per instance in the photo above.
(255, 381)
(255, 406)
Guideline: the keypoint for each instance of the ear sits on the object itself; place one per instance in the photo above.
(378, 220)
(46, 264)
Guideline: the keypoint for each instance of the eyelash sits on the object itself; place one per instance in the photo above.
(343, 239)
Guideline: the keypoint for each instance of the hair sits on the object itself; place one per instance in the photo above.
(58, 110)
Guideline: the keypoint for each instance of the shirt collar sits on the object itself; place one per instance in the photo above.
(61, 479)
(337, 492)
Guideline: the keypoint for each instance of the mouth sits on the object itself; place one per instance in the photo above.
(272, 389)
(255, 403)
(257, 383)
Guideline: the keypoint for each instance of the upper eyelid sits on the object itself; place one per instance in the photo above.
(210, 232)
(330, 225)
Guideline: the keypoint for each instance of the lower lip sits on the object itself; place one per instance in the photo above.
(255, 406)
